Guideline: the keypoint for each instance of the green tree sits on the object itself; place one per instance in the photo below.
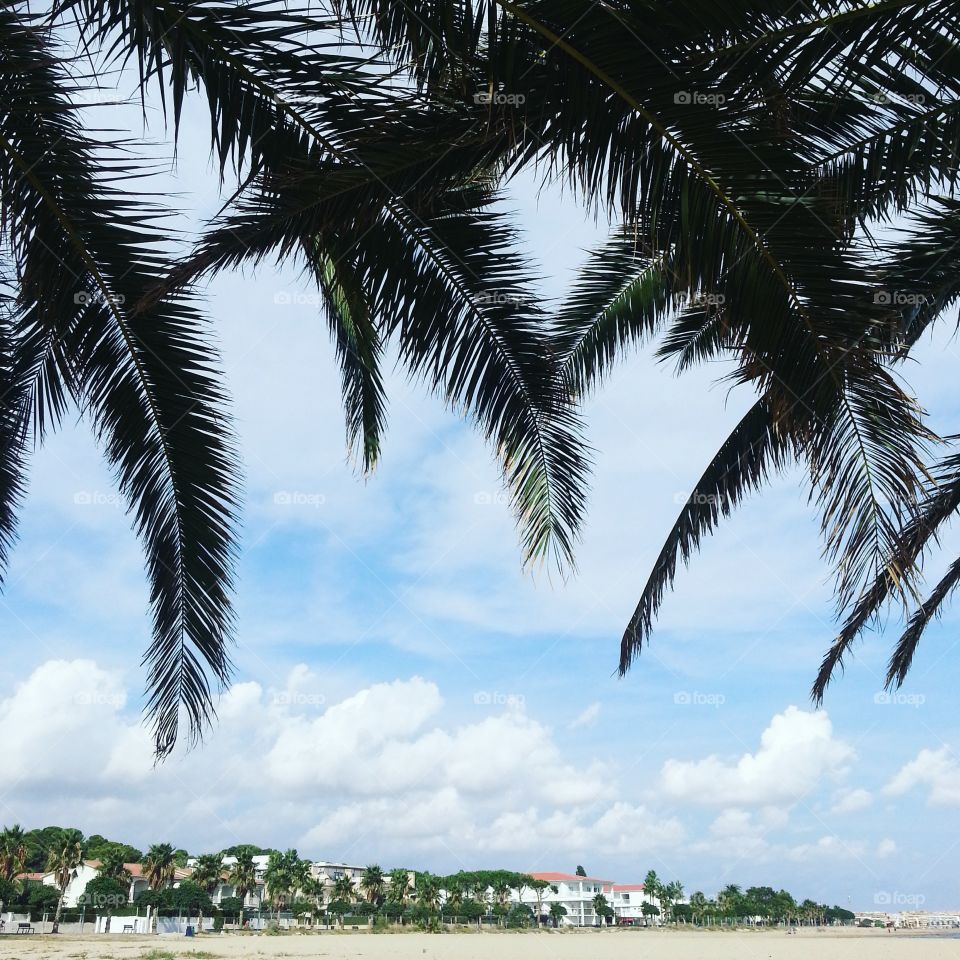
(40, 898)
(698, 906)
(113, 866)
(207, 875)
(601, 908)
(398, 887)
(97, 847)
(283, 877)
(105, 893)
(730, 901)
(243, 874)
(670, 894)
(13, 852)
(373, 883)
(540, 887)
(580, 871)
(64, 862)
(519, 916)
(343, 888)
(557, 912)
(159, 866)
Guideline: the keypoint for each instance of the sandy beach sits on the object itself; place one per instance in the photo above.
(584, 945)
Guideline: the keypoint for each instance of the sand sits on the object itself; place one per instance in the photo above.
(809, 944)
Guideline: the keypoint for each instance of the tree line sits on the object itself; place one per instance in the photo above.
(287, 885)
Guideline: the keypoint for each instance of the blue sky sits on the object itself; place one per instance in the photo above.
(407, 694)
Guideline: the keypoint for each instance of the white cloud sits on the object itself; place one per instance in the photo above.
(797, 751)
(829, 847)
(937, 770)
(586, 718)
(850, 800)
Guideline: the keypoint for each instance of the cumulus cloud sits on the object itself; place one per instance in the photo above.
(797, 751)
(377, 770)
(937, 770)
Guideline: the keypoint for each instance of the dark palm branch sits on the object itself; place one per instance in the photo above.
(84, 251)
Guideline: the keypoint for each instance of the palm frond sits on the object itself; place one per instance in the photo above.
(755, 448)
(85, 251)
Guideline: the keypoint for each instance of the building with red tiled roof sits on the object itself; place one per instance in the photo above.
(573, 892)
(576, 894)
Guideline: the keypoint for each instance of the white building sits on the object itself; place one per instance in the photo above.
(573, 892)
(628, 900)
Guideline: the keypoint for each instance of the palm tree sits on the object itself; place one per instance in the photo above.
(428, 891)
(13, 852)
(159, 867)
(284, 876)
(243, 875)
(501, 890)
(313, 888)
(730, 900)
(343, 888)
(765, 139)
(601, 908)
(343, 891)
(372, 883)
(97, 318)
(63, 861)
(670, 894)
(557, 912)
(741, 177)
(698, 905)
(207, 875)
(652, 887)
(113, 866)
(399, 886)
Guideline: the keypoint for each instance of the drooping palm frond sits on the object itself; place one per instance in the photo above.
(442, 277)
(754, 450)
(85, 250)
(359, 349)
